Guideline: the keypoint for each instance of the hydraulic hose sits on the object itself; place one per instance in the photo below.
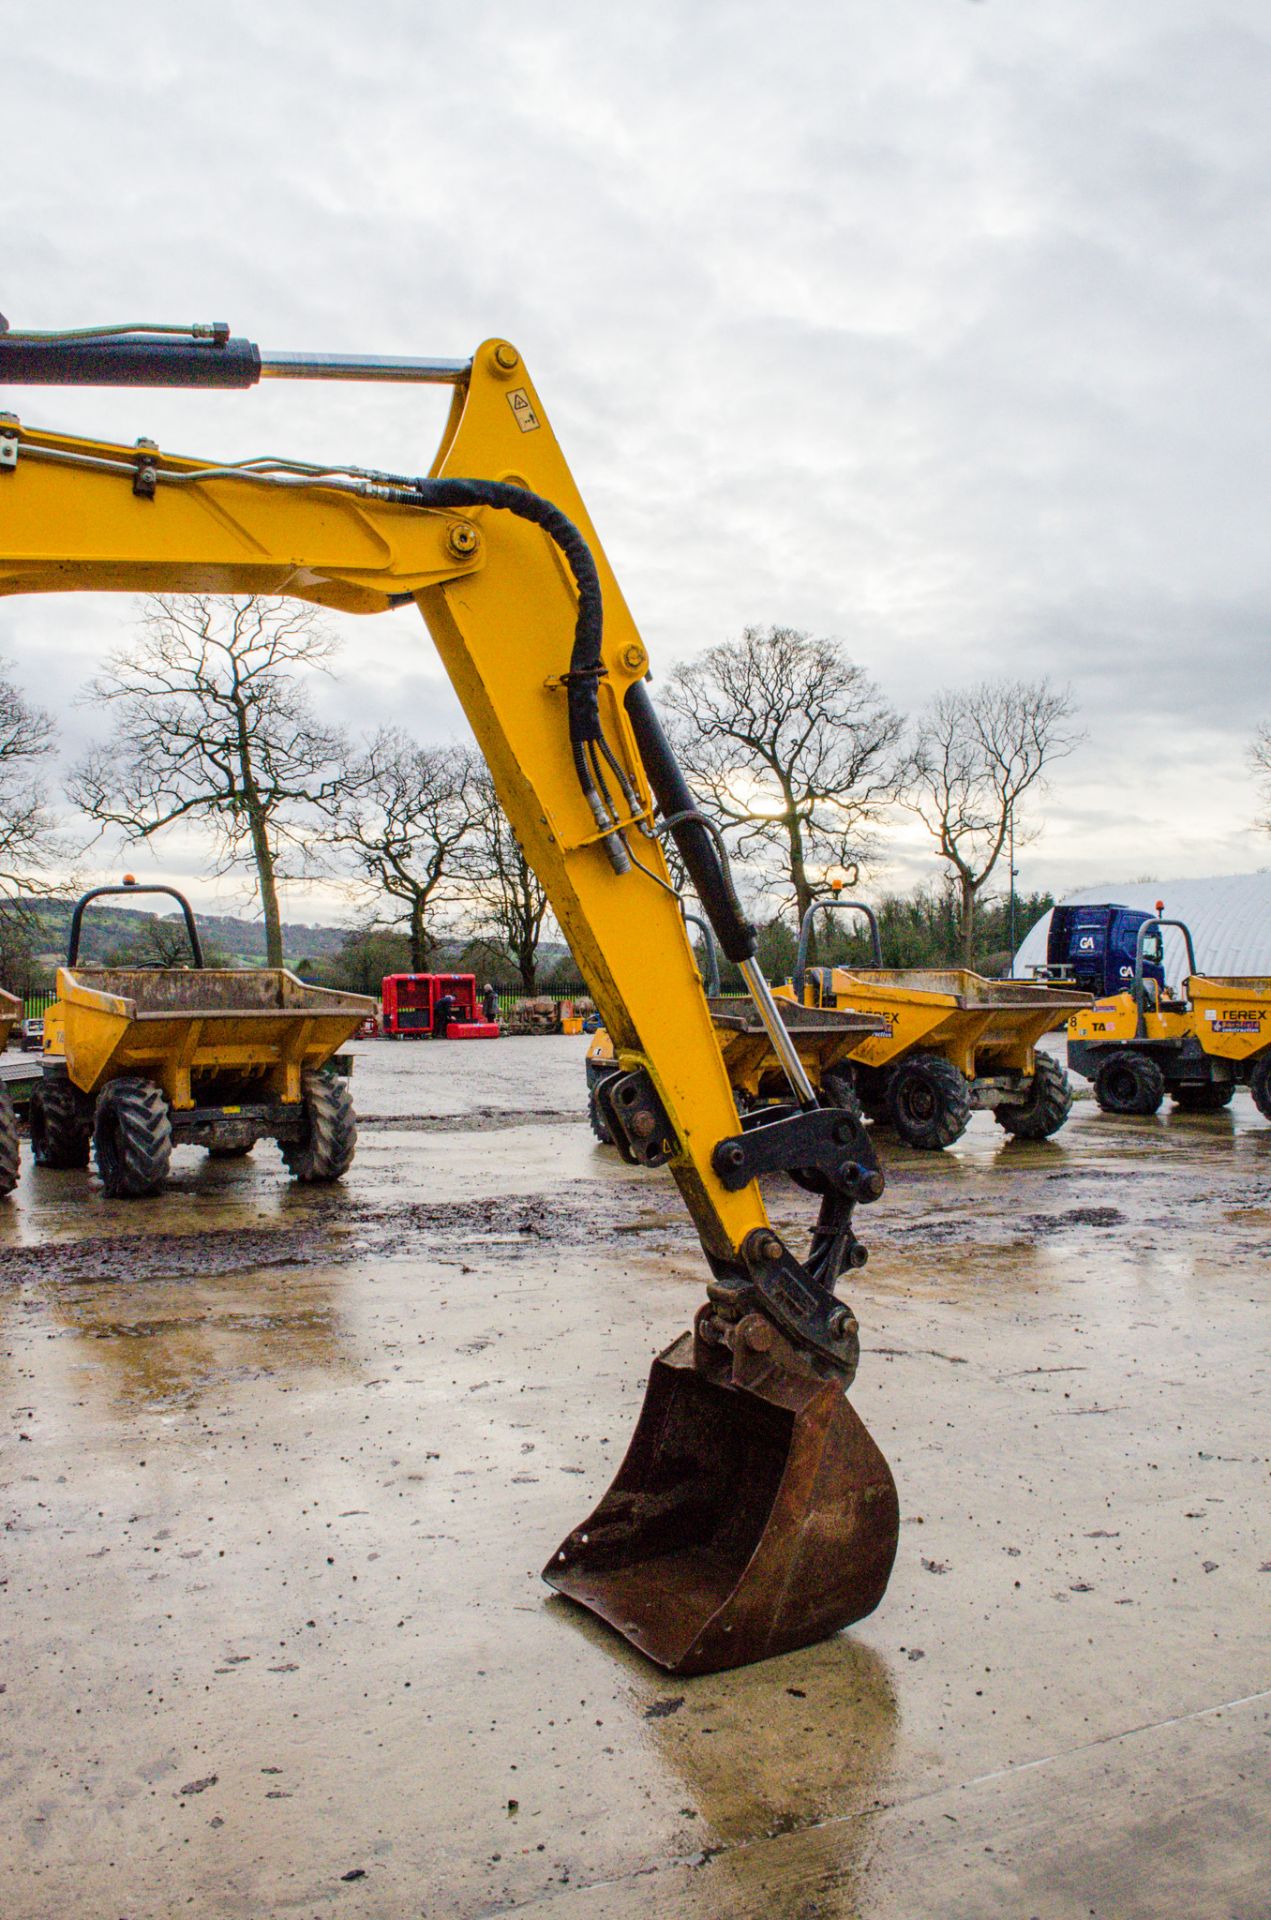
(585, 666)
(692, 837)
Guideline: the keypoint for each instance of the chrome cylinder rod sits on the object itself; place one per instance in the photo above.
(775, 1028)
(203, 356)
(361, 366)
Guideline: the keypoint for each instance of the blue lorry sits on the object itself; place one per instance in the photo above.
(1092, 947)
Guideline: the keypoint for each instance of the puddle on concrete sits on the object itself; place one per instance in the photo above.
(279, 1468)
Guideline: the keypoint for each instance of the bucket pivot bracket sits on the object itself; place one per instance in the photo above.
(638, 1122)
(827, 1151)
(822, 1147)
(793, 1298)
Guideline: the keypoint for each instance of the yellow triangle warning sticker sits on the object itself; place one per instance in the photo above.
(526, 418)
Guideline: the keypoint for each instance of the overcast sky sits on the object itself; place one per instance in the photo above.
(940, 326)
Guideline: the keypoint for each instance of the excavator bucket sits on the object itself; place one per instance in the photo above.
(753, 1513)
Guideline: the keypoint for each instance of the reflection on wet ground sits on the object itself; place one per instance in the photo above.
(279, 1468)
(188, 1344)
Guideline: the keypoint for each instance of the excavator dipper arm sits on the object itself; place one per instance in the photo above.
(753, 1512)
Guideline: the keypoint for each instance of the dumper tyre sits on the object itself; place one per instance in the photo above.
(1208, 1097)
(599, 1125)
(10, 1159)
(330, 1138)
(1260, 1086)
(596, 1072)
(838, 1089)
(132, 1138)
(871, 1091)
(928, 1101)
(1129, 1083)
(59, 1137)
(1048, 1104)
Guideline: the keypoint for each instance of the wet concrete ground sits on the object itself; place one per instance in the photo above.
(280, 1468)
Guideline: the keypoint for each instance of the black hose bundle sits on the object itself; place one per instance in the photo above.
(585, 667)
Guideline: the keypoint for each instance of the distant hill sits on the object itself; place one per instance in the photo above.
(242, 942)
(112, 932)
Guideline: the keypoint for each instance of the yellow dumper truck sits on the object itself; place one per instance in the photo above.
(1197, 1044)
(919, 1049)
(825, 1042)
(951, 1042)
(140, 1059)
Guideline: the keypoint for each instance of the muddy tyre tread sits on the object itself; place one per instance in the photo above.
(326, 1152)
(595, 1116)
(1260, 1086)
(132, 1138)
(1209, 1098)
(597, 1121)
(871, 1091)
(838, 1089)
(1048, 1105)
(941, 1089)
(1129, 1083)
(59, 1137)
(10, 1151)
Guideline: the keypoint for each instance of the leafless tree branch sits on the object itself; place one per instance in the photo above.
(405, 812)
(976, 753)
(30, 841)
(1260, 759)
(511, 900)
(793, 747)
(212, 723)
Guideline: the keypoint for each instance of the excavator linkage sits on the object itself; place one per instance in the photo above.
(753, 1513)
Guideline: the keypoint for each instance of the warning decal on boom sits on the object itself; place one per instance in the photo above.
(526, 418)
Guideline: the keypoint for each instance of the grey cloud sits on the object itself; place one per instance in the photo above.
(941, 328)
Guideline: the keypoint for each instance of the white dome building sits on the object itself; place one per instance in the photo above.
(1229, 917)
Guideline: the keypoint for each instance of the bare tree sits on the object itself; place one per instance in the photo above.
(406, 811)
(1260, 756)
(28, 832)
(22, 935)
(975, 755)
(793, 747)
(511, 899)
(160, 941)
(213, 725)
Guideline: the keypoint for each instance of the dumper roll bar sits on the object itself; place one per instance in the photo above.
(1140, 941)
(805, 935)
(95, 893)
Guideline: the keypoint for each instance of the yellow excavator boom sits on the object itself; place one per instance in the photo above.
(495, 547)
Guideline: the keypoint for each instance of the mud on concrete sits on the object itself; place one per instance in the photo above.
(365, 1231)
(278, 1470)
